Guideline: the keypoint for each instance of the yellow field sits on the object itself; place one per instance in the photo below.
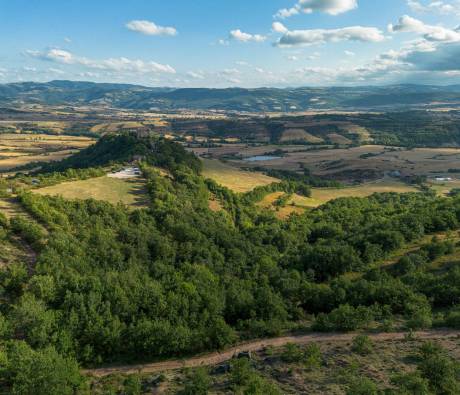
(22, 149)
(324, 195)
(233, 178)
(299, 135)
(339, 139)
(113, 190)
(298, 204)
(443, 188)
(11, 163)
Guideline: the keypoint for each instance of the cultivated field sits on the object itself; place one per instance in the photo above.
(234, 178)
(332, 162)
(113, 190)
(21, 149)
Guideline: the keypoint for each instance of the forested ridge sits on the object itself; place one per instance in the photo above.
(110, 284)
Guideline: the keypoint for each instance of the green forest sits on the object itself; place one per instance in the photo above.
(112, 284)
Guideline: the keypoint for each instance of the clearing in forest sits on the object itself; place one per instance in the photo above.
(235, 179)
(131, 192)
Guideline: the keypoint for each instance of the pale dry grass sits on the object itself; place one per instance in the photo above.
(233, 178)
(113, 190)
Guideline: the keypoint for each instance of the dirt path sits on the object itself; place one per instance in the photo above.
(219, 357)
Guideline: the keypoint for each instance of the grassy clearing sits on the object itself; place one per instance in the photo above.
(113, 190)
(324, 195)
(299, 204)
(299, 135)
(233, 178)
(443, 188)
(336, 138)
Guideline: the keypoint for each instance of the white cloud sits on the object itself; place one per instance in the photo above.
(196, 75)
(431, 33)
(246, 37)
(54, 55)
(67, 40)
(319, 36)
(286, 12)
(55, 71)
(349, 53)
(292, 58)
(278, 27)
(230, 71)
(439, 7)
(121, 64)
(150, 28)
(331, 7)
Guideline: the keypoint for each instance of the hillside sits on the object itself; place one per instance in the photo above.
(109, 284)
(231, 99)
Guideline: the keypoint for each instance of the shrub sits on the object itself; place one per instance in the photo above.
(345, 318)
(411, 383)
(198, 383)
(362, 345)
(362, 386)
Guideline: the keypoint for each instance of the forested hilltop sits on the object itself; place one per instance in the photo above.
(111, 284)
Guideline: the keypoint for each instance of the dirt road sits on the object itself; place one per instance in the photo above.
(219, 357)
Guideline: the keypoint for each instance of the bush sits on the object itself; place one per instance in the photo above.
(132, 385)
(411, 383)
(310, 356)
(362, 345)
(198, 383)
(452, 319)
(345, 318)
(439, 369)
(246, 381)
(362, 386)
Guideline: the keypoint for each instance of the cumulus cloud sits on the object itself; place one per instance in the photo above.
(150, 28)
(319, 36)
(431, 33)
(443, 57)
(121, 64)
(238, 35)
(331, 7)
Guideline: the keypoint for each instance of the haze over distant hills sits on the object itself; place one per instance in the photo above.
(230, 99)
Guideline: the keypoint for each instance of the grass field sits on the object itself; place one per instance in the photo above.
(298, 204)
(233, 178)
(324, 195)
(113, 190)
(299, 135)
(443, 188)
(21, 149)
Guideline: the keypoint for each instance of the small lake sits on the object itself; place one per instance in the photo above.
(261, 158)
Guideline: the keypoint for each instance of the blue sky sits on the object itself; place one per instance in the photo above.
(220, 43)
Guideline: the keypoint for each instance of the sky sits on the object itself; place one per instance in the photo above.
(226, 43)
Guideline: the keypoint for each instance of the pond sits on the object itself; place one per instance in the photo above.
(261, 158)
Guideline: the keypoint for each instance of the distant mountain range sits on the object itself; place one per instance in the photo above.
(230, 99)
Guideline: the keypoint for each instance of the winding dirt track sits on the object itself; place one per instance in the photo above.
(219, 357)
